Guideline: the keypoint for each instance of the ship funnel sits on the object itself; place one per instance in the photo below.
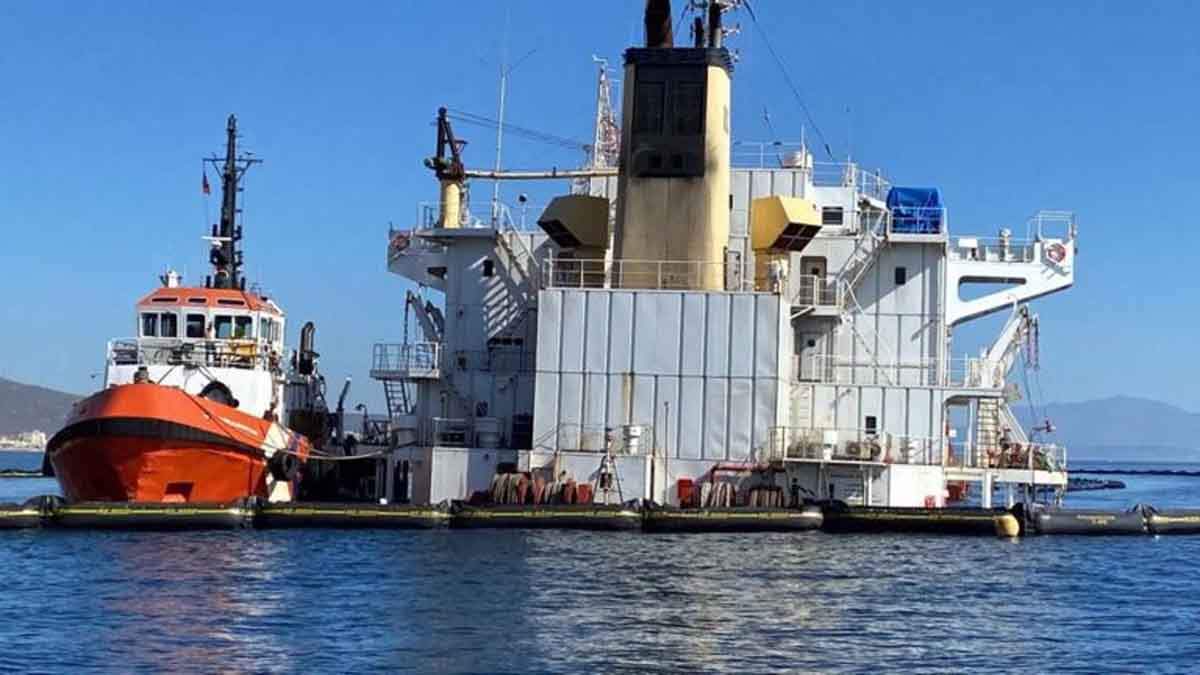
(658, 25)
(673, 184)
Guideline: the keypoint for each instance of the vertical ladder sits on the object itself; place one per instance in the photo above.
(395, 393)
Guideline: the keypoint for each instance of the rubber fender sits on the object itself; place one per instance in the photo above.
(217, 392)
(283, 466)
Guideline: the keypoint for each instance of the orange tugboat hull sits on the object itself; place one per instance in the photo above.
(151, 443)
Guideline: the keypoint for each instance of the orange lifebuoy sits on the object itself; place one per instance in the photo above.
(1056, 253)
(399, 242)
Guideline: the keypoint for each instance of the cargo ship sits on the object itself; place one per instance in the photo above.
(193, 407)
(702, 322)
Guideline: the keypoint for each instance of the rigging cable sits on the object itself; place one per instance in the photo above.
(788, 78)
(523, 132)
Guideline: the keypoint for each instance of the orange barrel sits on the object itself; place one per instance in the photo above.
(686, 489)
(568, 494)
(583, 493)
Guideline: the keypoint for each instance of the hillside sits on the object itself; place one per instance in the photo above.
(1124, 428)
(24, 407)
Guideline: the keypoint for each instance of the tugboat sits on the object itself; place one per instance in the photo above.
(191, 407)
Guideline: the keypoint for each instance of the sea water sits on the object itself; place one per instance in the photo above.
(548, 601)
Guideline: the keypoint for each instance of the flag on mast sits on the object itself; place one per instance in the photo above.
(204, 184)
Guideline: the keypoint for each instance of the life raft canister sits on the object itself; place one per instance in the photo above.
(1056, 253)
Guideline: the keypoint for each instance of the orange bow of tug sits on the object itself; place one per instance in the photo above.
(154, 443)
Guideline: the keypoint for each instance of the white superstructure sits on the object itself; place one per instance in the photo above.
(814, 337)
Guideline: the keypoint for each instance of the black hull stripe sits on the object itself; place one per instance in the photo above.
(143, 427)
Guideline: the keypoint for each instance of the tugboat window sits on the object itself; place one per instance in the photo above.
(195, 326)
(149, 325)
(169, 325)
(243, 327)
(264, 329)
(224, 326)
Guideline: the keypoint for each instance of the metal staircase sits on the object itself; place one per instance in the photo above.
(525, 264)
(396, 396)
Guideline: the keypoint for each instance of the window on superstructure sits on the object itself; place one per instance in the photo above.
(901, 275)
(871, 425)
(194, 326)
(264, 329)
(168, 325)
(224, 326)
(149, 324)
(489, 268)
(832, 215)
(243, 327)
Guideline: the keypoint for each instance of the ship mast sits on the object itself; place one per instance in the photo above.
(226, 255)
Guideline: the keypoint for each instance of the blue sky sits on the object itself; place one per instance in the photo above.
(1007, 107)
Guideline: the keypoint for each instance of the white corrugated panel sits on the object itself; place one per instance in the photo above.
(741, 417)
(766, 336)
(574, 332)
(666, 415)
(645, 333)
(690, 426)
(760, 183)
(743, 345)
(669, 308)
(716, 347)
(620, 359)
(595, 410)
(663, 348)
(570, 410)
(716, 402)
(549, 329)
(620, 399)
(545, 410)
(692, 352)
(644, 411)
(596, 350)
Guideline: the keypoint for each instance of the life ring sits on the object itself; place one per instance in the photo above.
(1056, 253)
(399, 242)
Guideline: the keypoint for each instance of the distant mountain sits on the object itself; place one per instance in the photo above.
(25, 407)
(1123, 428)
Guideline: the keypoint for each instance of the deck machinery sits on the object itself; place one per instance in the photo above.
(707, 310)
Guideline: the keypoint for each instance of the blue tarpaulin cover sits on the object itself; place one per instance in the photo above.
(916, 210)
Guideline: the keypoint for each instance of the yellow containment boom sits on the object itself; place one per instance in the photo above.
(783, 223)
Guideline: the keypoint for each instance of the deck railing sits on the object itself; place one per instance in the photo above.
(851, 445)
(244, 354)
(407, 359)
(791, 156)
(966, 372)
(865, 445)
(673, 275)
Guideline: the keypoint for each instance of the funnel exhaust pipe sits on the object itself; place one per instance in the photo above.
(658, 25)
